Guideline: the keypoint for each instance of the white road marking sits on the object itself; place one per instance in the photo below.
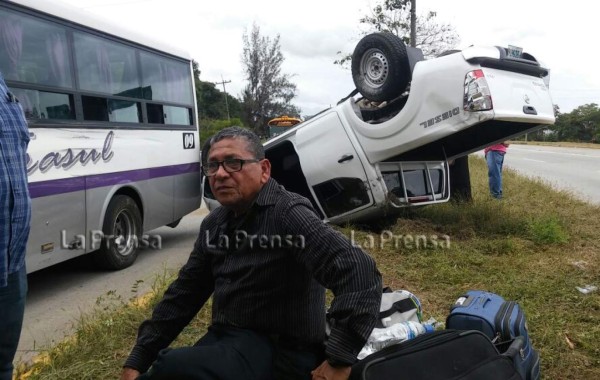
(591, 154)
(531, 159)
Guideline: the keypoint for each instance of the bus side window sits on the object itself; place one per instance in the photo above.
(165, 80)
(104, 66)
(45, 105)
(34, 51)
(155, 113)
(94, 108)
(160, 114)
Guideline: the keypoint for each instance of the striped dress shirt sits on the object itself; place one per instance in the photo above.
(268, 272)
(15, 205)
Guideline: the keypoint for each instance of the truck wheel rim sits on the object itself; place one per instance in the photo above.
(375, 67)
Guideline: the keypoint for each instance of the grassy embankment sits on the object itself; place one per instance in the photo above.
(535, 246)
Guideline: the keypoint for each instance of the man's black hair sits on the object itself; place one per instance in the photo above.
(254, 145)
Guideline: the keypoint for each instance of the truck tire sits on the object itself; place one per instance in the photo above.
(122, 230)
(448, 52)
(380, 67)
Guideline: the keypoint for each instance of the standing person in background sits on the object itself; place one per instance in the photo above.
(494, 155)
(15, 215)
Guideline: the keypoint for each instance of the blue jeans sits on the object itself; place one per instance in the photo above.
(12, 308)
(495, 160)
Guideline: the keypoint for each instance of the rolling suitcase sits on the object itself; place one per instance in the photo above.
(441, 355)
(502, 321)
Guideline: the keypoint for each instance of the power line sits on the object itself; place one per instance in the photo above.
(223, 82)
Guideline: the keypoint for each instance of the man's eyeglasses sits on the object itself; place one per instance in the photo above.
(230, 165)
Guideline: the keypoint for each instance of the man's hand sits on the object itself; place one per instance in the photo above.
(129, 374)
(326, 372)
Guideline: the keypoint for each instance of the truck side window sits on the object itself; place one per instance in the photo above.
(340, 195)
(416, 182)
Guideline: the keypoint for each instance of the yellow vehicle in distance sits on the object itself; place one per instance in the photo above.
(281, 124)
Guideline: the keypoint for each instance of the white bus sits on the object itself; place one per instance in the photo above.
(114, 147)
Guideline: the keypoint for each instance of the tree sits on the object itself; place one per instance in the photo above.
(209, 128)
(393, 16)
(211, 101)
(269, 91)
(582, 124)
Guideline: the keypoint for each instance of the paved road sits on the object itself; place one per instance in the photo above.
(573, 169)
(58, 295)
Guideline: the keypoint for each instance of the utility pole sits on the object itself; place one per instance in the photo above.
(223, 82)
(413, 23)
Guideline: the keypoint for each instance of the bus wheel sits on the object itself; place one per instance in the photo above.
(122, 230)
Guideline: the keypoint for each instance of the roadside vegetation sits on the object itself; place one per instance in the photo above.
(580, 125)
(564, 144)
(535, 246)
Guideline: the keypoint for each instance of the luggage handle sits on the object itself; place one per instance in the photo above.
(515, 350)
(487, 299)
(465, 300)
(401, 306)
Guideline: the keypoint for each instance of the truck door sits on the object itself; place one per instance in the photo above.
(333, 169)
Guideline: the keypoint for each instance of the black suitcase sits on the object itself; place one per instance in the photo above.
(441, 355)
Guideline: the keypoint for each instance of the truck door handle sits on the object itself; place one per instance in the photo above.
(345, 157)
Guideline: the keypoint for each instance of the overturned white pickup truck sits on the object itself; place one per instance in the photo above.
(391, 148)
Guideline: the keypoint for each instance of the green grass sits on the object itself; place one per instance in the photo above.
(523, 247)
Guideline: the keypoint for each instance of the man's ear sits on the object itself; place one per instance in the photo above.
(265, 166)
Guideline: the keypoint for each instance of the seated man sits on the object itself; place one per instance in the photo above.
(266, 258)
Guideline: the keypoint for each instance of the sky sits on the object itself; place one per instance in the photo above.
(312, 32)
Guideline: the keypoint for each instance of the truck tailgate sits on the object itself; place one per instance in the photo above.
(519, 97)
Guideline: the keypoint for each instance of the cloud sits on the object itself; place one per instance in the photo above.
(313, 31)
(316, 44)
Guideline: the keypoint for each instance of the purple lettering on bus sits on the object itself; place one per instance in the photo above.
(69, 158)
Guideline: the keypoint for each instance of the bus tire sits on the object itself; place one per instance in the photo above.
(122, 230)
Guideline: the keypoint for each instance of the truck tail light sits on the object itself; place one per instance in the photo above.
(477, 93)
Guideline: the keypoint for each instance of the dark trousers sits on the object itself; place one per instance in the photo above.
(229, 353)
(12, 308)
